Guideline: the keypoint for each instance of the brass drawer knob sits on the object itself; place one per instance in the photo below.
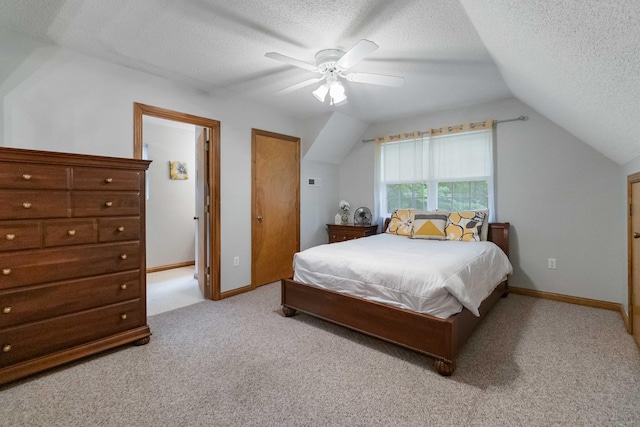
(108, 180)
(108, 204)
(121, 228)
(6, 310)
(6, 348)
(123, 286)
(123, 316)
(6, 271)
(26, 205)
(10, 236)
(26, 176)
(71, 232)
(123, 256)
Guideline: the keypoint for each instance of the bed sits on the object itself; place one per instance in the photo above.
(439, 337)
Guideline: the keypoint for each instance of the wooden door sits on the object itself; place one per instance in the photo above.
(634, 256)
(275, 223)
(201, 218)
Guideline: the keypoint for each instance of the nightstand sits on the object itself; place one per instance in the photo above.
(340, 233)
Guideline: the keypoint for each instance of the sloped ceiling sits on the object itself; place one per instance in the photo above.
(575, 61)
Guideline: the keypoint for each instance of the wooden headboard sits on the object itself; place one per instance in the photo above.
(498, 234)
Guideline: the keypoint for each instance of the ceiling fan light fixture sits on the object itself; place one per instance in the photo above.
(336, 92)
(321, 92)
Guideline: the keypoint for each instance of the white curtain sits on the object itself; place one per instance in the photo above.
(466, 156)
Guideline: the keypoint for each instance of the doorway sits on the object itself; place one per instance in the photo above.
(275, 206)
(207, 216)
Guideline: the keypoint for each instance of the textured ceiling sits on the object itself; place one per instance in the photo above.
(574, 61)
(219, 46)
(577, 62)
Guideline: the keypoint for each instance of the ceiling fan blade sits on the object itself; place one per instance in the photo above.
(298, 86)
(357, 53)
(291, 61)
(375, 79)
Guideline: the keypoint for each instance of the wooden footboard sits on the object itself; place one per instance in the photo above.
(439, 338)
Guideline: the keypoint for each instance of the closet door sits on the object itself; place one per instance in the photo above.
(275, 206)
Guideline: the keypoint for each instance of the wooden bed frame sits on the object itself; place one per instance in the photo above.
(441, 339)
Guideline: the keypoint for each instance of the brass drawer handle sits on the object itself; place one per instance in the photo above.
(108, 180)
(10, 236)
(6, 271)
(26, 176)
(123, 286)
(123, 256)
(26, 205)
(6, 310)
(71, 232)
(121, 228)
(108, 204)
(6, 348)
(123, 316)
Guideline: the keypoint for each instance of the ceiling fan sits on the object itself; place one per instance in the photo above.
(334, 63)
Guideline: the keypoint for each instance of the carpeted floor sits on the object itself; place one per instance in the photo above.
(240, 362)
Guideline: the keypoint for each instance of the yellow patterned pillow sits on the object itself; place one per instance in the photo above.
(429, 225)
(401, 222)
(465, 226)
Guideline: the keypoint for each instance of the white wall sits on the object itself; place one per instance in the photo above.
(318, 204)
(171, 203)
(60, 100)
(564, 200)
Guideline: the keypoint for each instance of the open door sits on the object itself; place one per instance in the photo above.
(634, 255)
(202, 215)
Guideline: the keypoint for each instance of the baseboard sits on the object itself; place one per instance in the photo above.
(234, 292)
(606, 305)
(567, 298)
(170, 266)
(625, 318)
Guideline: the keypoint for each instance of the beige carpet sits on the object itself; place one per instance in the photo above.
(240, 362)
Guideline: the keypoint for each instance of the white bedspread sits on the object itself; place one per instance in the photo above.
(433, 277)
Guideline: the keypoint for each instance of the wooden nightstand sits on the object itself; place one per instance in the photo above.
(340, 233)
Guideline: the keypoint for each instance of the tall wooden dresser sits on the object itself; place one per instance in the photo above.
(72, 258)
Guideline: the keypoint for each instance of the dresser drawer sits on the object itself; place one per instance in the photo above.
(34, 204)
(340, 233)
(69, 232)
(18, 235)
(87, 203)
(20, 343)
(105, 179)
(117, 229)
(47, 265)
(30, 176)
(51, 300)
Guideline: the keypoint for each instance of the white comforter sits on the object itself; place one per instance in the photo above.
(433, 277)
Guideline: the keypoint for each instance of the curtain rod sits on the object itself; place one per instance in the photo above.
(495, 122)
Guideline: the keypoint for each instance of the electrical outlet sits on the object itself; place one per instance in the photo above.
(236, 261)
(552, 263)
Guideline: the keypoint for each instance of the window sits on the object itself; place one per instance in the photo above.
(452, 172)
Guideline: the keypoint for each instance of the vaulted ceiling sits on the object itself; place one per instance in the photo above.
(575, 61)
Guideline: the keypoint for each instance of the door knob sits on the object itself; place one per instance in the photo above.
(260, 218)
(196, 218)
(636, 235)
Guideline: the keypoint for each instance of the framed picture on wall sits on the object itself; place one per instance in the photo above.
(178, 170)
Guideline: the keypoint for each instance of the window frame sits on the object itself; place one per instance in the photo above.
(431, 182)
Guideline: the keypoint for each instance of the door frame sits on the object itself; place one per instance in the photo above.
(631, 179)
(213, 127)
(254, 213)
